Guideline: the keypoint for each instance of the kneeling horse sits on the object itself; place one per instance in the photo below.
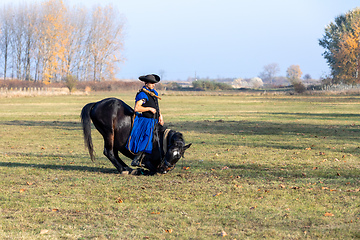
(113, 119)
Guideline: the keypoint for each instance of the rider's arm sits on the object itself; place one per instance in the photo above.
(139, 107)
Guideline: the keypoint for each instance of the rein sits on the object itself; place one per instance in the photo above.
(164, 163)
(165, 145)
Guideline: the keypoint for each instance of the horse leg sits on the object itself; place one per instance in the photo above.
(109, 153)
(150, 166)
(124, 165)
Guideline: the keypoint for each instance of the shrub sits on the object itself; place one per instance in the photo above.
(210, 85)
(172, 86)
(110, 85)
(299, 87)
(19, 84)
(70, 82)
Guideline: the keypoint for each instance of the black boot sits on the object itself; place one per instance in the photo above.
(136, 161)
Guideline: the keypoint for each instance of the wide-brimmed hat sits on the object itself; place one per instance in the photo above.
(150, 78)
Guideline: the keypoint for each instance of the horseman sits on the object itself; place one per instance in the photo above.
(147, 115)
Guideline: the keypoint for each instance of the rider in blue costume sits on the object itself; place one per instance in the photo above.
(147, 114)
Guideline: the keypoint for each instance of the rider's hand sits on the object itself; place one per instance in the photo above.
(153, 110)
(161, 120)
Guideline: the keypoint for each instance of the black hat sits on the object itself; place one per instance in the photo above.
(151, 78)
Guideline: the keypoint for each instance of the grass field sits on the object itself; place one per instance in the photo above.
(275, 167)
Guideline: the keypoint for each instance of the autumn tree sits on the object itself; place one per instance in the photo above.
(293, 74)
(342, 48)
(51, 41)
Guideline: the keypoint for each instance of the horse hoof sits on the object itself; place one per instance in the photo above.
(125, 173)
(128, 169)
(135, 172)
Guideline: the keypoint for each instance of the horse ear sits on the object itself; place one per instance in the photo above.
(187, 146)
(184, 148)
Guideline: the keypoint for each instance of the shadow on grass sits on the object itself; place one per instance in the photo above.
(58, 167)
(294, 171)
(64, 125)
(245, 128)
(279, 135)
(67, 164)
(272, 127)
(347, 116)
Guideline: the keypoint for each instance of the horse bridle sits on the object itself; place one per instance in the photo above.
(166, 142)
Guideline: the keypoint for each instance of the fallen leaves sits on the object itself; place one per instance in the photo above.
(327, 214)
(356, 190)
(44, 231)
(223, 233)
(219, 193)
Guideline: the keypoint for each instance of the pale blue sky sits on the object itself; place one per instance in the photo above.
(222, 38)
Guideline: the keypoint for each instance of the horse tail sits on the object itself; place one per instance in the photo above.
(86, 125)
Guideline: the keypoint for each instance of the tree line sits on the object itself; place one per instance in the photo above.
(50, 41)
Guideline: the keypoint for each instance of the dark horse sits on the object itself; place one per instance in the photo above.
(113, 119)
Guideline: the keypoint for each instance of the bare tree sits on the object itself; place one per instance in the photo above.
(104, 42)
(269, 72)
(161, 73)
(5, 40)
(75, 54)
(17, 26)
(307, 77)
(31, 19)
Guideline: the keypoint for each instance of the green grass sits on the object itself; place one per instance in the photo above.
(276, 167)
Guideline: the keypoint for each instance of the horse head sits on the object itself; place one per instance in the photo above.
(175, 151)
